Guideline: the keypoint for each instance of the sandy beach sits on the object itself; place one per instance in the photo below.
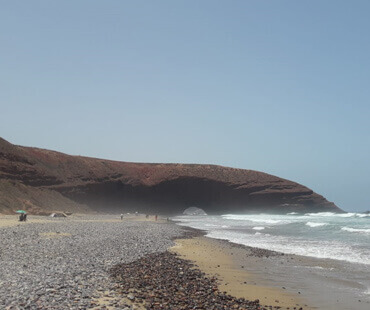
(103, 262)
(230, 265)
(275, 279)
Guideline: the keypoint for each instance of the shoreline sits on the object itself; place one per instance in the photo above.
(277, 280)
(231, 265)
(293, 279)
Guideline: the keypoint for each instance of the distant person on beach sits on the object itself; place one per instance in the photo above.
(23, 217)
(121, 217)
(156, 217)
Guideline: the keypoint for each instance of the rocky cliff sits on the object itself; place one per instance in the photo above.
(41, 180)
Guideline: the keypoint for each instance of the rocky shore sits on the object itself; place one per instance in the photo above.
(164, 281)
(65, 264)
(101, 262)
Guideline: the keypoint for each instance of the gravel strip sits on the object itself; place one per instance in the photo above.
(65, 264)
(164, 281)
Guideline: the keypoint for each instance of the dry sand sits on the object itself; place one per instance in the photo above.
(13, 220)
(222, 260)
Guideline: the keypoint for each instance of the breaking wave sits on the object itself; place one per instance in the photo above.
(332, 214)
(312, 224)
(356, 230)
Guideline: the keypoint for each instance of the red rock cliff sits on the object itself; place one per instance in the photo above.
(45, 180)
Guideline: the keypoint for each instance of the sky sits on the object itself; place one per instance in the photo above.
(281, 87)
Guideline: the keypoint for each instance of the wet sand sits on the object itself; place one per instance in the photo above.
(230, 265)
(274, 278)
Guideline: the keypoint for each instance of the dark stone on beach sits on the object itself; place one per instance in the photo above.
(164, 281)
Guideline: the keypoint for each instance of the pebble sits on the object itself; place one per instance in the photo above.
(69, 272)
(165, 281)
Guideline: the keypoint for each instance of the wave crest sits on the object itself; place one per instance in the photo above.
(312, 224)
(356, 230)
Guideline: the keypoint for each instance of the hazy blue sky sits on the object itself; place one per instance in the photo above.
(277, 86)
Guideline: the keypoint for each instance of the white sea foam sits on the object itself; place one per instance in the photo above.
(267, 221)
(363, 215)
(296, 234)
(292, 213)
(236, 217)
(356, 230)
(347, 214)
(313, 224)
(254, 218)
(319, 267)
(344, 215)
(354, 215)
(321, 214)
(367, 292)
(313, 248)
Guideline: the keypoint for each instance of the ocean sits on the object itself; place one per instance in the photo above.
(323, 235)
(344, 238)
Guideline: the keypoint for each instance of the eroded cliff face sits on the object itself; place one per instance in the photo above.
(82, 183)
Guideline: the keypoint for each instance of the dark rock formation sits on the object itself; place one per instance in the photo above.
(194, 211)
(49, 180)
